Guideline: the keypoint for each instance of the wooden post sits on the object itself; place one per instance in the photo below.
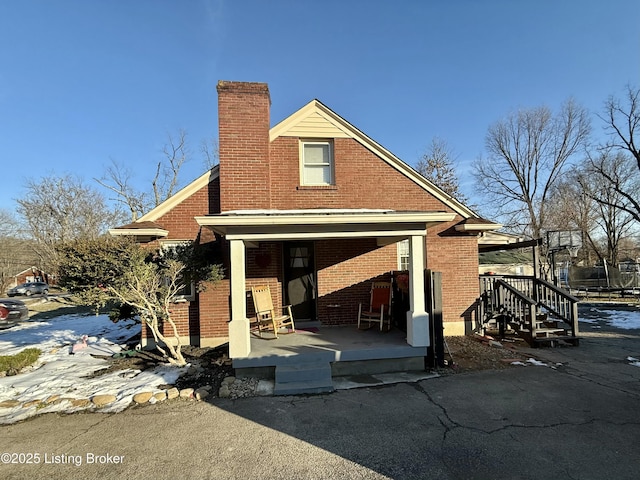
(574, 319)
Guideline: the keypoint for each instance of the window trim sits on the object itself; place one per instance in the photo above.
(403, 253)
(330, 164)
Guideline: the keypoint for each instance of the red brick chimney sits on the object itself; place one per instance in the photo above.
(243, 120)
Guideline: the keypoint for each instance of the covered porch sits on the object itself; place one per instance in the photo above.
(246, 229)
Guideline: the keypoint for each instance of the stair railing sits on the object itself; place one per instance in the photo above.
(558, 302)
(515, 304)
(513, 294)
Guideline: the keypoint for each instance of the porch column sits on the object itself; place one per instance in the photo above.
(239, 339)
(417, 317)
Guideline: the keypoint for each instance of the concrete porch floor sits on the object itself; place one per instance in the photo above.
(335, 345)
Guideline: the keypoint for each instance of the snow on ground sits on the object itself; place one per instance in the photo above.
(59, 372)
(627, 318)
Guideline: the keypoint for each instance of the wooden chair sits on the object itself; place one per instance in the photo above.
(266, 317)
(379, 309)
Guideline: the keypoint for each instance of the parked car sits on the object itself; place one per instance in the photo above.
(11, 312)
(29, 289)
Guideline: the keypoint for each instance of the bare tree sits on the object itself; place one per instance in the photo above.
(15, 252)
(582, 199)
(613, 182)
(528, 150)
(165, 180)
(622, 120)
(117, 179)
(59, 209)
(569, 208)
(210, 153)
(614, 222)
(438, 166)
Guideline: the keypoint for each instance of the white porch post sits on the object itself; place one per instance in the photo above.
(239, 339)
(417, 317)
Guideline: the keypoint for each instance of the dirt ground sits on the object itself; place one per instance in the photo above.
(473, 353)
(209, 366)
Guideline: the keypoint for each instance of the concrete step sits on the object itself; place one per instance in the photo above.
(297, 388)
(310, 377)
(307, 371)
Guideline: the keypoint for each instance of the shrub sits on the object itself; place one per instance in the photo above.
(12, 364)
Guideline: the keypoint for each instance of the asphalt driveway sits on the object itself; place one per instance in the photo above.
(578, 417)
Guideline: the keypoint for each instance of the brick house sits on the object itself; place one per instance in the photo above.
(317, 210)
(32, 274)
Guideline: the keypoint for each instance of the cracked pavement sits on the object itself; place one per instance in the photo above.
(579, 420)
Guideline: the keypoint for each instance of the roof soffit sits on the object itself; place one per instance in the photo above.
(292, 226)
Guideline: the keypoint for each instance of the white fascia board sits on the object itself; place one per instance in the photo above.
(313, 226)
(138, 232)
(323, 219)
(170, 203)
(481, 227)
(323, 235)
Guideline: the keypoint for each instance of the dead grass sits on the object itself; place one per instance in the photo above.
(45, 308)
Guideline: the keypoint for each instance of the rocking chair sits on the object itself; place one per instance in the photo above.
(379, 309)
(266, 317)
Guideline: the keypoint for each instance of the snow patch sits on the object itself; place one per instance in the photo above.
(60, 372)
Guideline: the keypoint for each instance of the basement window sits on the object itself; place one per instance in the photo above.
(316, 163)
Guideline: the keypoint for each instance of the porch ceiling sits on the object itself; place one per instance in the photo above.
(257, 225)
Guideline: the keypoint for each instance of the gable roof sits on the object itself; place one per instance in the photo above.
(316, 120)
(200, 182)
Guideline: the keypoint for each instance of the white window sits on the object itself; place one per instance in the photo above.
(317, 163)
(403, 254)
(187, 294)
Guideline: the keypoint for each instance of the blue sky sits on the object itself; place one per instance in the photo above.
(86, 81)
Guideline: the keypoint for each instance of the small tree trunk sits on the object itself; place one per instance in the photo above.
(174, 356)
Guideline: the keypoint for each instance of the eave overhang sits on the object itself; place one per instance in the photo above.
(139, 232)
(478, 227)
(321, 224)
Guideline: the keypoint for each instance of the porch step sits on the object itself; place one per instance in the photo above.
(545, 332)
(310, 377)
(554, 341)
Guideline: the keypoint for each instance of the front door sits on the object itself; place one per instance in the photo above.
(300, 280)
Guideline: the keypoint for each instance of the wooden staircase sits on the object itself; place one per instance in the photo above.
(528, 307)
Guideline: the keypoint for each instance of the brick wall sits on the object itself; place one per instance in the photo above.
(243, 118)
(363, 180)
(346, 269)
(255, 174)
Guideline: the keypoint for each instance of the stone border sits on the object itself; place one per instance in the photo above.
(231, 388)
